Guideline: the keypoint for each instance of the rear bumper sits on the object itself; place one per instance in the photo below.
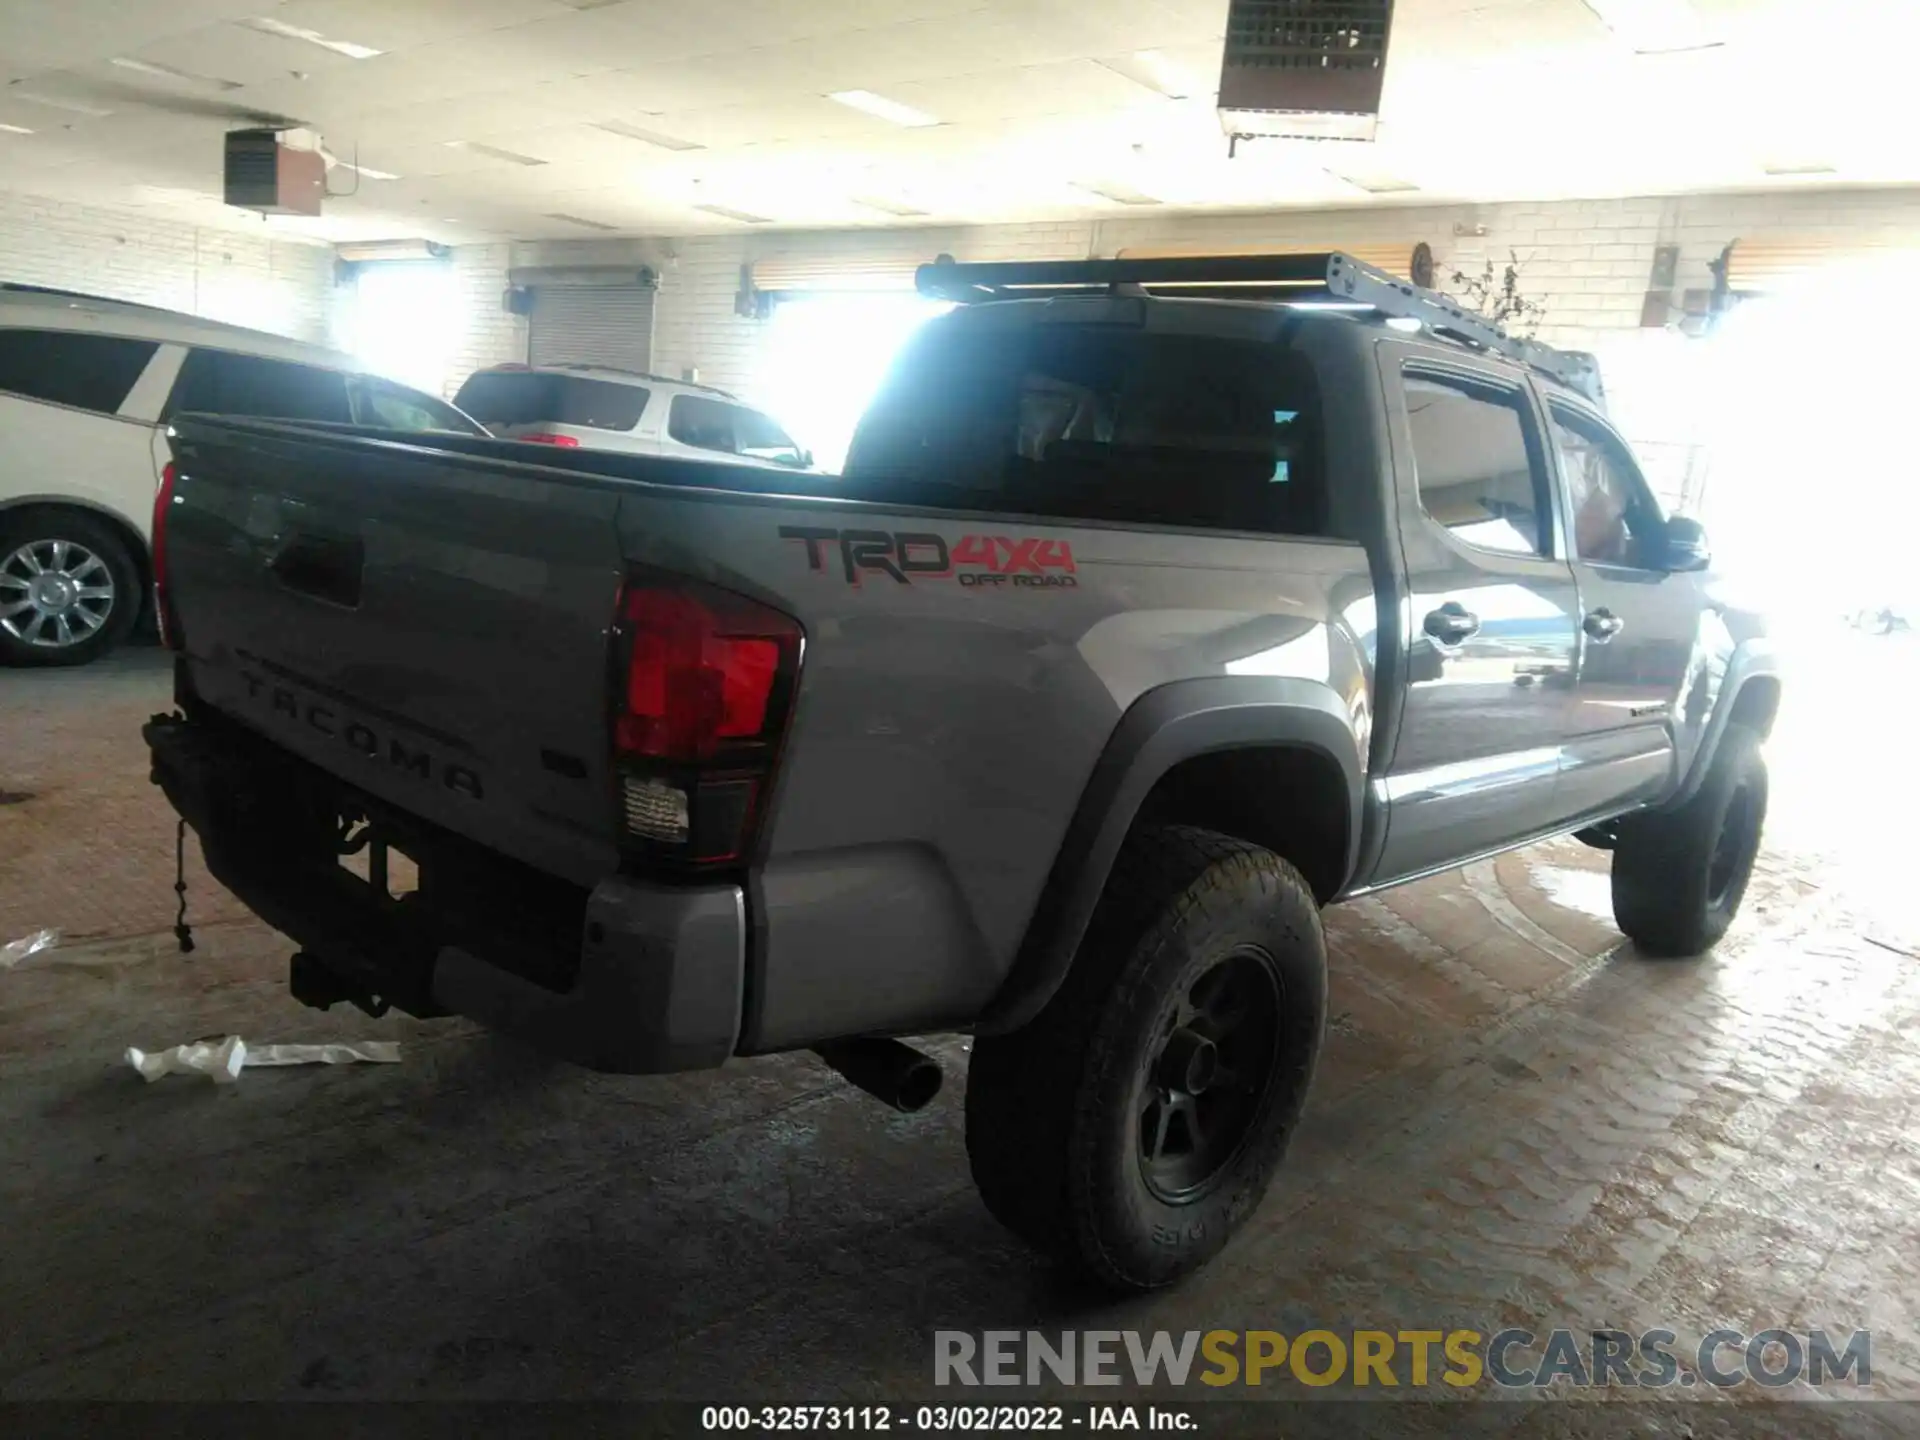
(643, 979)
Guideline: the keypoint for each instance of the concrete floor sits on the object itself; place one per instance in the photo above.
(1519, 1121)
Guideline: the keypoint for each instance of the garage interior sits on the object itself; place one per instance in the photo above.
(1519, 1119)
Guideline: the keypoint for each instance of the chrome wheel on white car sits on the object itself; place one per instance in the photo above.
(68, 591)
(54, 593)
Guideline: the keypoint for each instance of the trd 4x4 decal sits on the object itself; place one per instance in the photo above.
(909, 555)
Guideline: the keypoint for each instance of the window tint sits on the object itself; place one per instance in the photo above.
(502, 399)
(758, 438)
(1615, 521)
(220, 382)
(702, 423)
(394, 407)
(93, 372)
(1102, 423)
(1475, 471)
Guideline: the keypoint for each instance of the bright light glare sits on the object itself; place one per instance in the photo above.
(825, 356)
(405, 322)
(1808, 500)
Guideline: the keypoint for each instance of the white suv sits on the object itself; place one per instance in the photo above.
(86, 388)
(605, 409)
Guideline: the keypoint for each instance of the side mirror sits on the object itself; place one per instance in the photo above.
(1684, 545)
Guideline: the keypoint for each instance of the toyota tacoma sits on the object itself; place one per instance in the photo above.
(1161, 604)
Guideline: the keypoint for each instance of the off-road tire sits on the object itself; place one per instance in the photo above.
(1669, 897)
(1054, 1115)
(45, 523)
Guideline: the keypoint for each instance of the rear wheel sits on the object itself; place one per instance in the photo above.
(1679, 875)
(1134, 1125)
(69, 590)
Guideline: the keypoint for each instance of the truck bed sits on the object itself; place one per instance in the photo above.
(431, 623)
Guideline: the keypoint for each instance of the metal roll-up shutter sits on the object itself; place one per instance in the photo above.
(609, 325)
(1396, 258)
(838, 274)
(1759, 267)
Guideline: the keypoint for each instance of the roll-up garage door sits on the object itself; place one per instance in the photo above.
(838, 274)
(1395, 258)
(1759, 267)
(609, 325)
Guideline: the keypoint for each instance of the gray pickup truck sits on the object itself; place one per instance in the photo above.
(1161, 604)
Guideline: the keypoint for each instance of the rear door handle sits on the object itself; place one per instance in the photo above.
(1603, 625)
(1451, 623)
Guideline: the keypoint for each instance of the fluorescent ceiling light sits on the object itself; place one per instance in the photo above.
(268, 26)
(579, 220)
(1788, 167)
(172, 72)
(1654, 27)
(512, 157)
(743, 216)
(1155, 71)
(15, 130)
(886, 207)
(645, 136)
(1118, 194)
(57, 102)
(1376, 184)
(367, 171)
(882, 108)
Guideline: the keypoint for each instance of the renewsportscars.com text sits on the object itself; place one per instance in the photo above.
(1511, 1359)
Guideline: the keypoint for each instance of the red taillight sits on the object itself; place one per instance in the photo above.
(708, 684)
(545, 439)
(162, 605)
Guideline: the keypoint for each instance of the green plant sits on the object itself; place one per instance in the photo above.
(1496, 297)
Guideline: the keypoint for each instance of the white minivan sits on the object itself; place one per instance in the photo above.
(604, 409)
(86, 388)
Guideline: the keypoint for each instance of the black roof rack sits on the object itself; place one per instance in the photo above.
(1328, 278)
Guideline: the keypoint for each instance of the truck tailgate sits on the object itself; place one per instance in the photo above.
(429, 627)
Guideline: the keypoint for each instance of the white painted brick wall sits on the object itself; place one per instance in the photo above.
(490, 336)
(264, 281)
(1586, 261)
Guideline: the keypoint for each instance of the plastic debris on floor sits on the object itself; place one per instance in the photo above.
(222, 1060)
(14, 951)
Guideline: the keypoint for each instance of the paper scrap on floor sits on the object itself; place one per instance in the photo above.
(14, 951)
(222, 1060)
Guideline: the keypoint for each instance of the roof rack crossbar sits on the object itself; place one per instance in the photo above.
(1328, 278)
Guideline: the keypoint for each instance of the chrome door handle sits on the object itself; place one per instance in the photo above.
(1451, 623)
(1603, 625)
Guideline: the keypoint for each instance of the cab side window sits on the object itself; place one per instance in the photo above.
(1478, 475)
(1615, 519)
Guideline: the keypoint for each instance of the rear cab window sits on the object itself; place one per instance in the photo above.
(223, 382)
(1095, 422)
(509, 399)
(70, 367)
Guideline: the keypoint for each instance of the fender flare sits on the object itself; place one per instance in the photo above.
(1751, 659)
(1167, 725)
